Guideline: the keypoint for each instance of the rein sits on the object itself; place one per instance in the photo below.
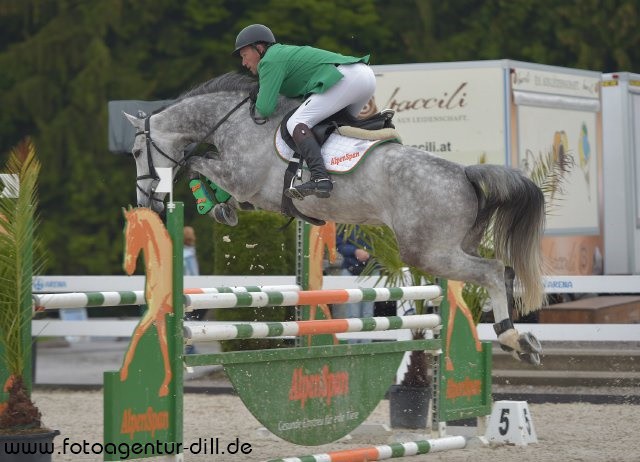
(153, 174)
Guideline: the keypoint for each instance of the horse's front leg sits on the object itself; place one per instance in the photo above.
(525, 347)
(211, 199)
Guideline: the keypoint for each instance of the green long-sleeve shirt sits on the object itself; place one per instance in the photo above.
(296, 71)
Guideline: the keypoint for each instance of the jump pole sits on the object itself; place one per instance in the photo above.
(207, 332)
(311, 297)
(135, 297)
(390, 451)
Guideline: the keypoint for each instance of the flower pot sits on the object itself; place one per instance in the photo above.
(409, 406)
(28, 447)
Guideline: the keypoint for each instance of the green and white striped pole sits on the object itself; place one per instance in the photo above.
(212, 331)
(412, 448)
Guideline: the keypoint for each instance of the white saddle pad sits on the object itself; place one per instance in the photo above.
(341, 154)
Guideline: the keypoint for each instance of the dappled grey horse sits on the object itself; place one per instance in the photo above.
(437, 209)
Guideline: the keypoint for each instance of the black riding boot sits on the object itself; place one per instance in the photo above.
(320, 184)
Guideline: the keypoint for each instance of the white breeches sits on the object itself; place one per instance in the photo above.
(352, 92)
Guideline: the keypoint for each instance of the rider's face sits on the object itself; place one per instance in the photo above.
(250, 58)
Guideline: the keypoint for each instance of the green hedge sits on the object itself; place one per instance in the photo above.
(255, 247)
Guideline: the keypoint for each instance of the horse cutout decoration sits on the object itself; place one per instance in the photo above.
(438, 209)
(145, 232)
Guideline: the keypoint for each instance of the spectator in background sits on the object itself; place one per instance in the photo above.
(354, 258)
(190, 260)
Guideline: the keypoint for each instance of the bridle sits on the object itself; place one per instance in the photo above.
(153, 174)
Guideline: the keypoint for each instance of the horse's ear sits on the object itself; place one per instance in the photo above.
(138, 123)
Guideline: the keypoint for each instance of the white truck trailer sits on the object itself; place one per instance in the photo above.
(513, 113)
(621, 152)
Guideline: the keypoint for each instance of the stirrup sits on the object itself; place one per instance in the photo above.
(310, 188)
(291, 192)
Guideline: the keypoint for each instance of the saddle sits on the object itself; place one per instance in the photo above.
(377, 126)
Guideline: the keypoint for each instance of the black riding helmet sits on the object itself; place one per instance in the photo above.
(250, 35)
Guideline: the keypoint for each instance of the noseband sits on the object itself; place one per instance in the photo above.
(153, 174)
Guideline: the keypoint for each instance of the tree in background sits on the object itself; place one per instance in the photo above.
(588, 34)
(63, 60)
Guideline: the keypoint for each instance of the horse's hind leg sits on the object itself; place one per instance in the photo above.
(490, 274)
(523, 346)
(509, 278)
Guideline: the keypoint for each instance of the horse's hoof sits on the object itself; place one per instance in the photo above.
(224, 214)
(529, 349)
(526, 347)
(529, 343)
(509, 340)
(530, 358)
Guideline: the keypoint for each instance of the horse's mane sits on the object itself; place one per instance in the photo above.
(231, 81)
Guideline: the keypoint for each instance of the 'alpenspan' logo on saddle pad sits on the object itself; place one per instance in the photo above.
(341, 154)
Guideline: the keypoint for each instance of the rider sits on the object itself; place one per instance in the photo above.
(328, 81)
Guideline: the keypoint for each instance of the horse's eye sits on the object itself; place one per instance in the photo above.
(136, 153)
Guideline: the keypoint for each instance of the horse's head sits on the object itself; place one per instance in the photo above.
(217, 113)
(134, 239)
(150, 153)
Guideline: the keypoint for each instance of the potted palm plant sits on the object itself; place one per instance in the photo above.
(22, 433)
(408, 400)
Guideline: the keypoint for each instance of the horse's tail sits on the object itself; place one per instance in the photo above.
(516, 206)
